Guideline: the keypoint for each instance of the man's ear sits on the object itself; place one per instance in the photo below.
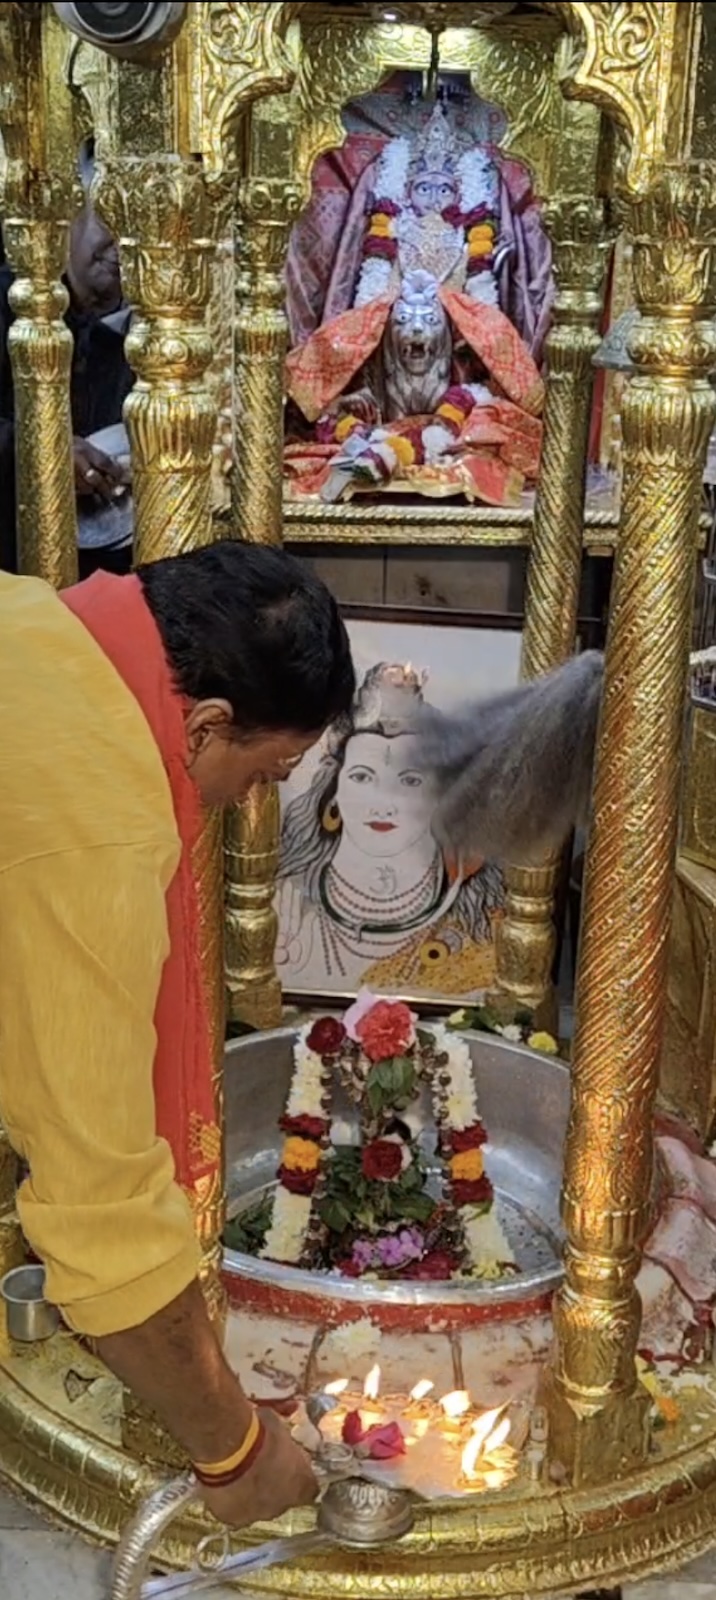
(207, 717)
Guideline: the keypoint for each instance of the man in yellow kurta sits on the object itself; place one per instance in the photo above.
(126, 703)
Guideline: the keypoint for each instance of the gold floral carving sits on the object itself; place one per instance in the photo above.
(637, 60)
(245, 55)
(160, 212)
(580, 245)
(598, 1423)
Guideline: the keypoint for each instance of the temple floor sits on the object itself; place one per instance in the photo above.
(37, 1563)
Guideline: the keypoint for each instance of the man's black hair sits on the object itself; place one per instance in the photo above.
(253, 625)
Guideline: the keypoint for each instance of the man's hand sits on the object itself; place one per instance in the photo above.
(282, 1477)
(95, 473)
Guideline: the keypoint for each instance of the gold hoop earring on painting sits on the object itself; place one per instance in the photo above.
(331, 818)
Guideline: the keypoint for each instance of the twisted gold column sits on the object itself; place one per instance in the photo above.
(598, 1410)
(37, 208)
(159, 210)
(580, 241)
(266, 210)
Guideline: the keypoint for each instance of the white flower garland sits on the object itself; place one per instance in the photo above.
(306, 1093)
(485, 1241)
(291, 1214)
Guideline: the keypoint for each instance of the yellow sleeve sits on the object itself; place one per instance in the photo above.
(83, 944)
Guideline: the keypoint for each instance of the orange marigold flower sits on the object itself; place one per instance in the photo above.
(382, 218)
(300, 1155)
(483, 235)
(344, 427)
(467, 1167)
(380, 227)
(403, 449)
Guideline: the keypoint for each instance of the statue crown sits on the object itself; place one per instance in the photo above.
(435, 147)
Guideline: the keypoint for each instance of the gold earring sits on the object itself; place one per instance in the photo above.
(331, 819)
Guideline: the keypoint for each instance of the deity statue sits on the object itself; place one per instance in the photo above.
(423, 384)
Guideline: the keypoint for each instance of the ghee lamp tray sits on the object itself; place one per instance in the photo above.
(437, 1449)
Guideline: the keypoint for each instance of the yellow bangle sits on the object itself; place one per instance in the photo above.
(216, 1469)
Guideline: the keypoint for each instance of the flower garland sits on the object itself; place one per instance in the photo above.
(306, 1130)
(369, 1202)
(475, 214)
(462, 1138)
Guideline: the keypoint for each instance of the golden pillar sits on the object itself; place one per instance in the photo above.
(580, 242)
(598, 1409)
(265, 213)
(159, 209)
(41, 194)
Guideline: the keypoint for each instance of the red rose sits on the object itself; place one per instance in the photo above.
(468, 1139)
(326, 1036)
(383, 1442)
(382, 1160)
(352, 1430)
(349, 1268)
(297, 1182)
(472, 1194)
(304, 1127)
(386, 1030)
(439, 1264)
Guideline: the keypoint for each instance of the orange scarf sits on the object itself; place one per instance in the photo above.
(114, 611)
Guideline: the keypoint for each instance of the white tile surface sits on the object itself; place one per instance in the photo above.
(37, 1563)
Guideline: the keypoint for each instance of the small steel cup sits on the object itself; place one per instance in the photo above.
(30, 1317)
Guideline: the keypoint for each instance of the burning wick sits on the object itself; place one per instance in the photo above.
(338, 1386)
(456, 1404)
(371, 1387)
(422, 1389)
(488, 1436)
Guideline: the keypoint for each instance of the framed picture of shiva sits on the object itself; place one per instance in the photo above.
(419, 291)
(364, 895)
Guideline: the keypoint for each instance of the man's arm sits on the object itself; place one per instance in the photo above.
(85, 941)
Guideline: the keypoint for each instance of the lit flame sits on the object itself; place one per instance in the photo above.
(498, 1438)
(487, 1436)
(456, 1404)
(422, 1389)
(338, 1386)
(371, 1387)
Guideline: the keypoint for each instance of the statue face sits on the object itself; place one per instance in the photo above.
(433, 191)
(419, 333)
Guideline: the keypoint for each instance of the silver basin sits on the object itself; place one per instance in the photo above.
(524, 1102)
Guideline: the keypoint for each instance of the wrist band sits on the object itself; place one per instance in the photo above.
(217, 1474)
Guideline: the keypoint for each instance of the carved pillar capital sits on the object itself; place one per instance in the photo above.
(581, 236)
(161, 213)
(599, 1411)
(267, 209)
(674, 233)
